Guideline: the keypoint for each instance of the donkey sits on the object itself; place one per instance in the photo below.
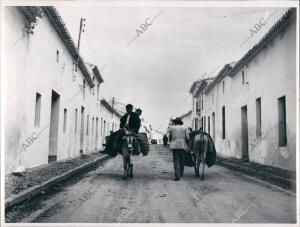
(127, 152)
(198, 144)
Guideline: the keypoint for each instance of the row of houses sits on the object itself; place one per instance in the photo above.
(53, 105)
(249, 106)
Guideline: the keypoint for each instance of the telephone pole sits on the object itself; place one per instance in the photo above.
(81, 29)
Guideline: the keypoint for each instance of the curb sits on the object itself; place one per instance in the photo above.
(284, 183)
(31, 192)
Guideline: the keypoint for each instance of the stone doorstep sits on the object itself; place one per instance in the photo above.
(33, 191)
(261, 174)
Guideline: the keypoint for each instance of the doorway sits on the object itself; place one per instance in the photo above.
(244, 122)
(54, 120)
(96, 139)
(81, 130)
(213, 126)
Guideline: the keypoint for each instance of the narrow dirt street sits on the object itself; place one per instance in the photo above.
(153, 196)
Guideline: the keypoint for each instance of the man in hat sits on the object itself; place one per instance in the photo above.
(177, 137)
(131, 120)
(165, 140)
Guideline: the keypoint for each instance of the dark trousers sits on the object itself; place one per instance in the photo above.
(178, 160)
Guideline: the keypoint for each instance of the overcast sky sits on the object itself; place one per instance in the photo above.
(156, 70)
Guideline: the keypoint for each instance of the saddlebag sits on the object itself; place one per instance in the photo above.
(142, 138)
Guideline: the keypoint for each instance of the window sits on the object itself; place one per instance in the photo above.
(65, 120)
(258, 117)
(83, 91)
(223, 86)
(98, 91)
(282, 121)
(76, 113)
(204, 127)
(201, 123)
(196, 123)
(101, 129)
(202, 102)
(104, 128)
(57, 56)
(223, 122)
(208, 124)
(198, 107)
(243, 77)
(92, 126)
(87, 124)
(37, 117)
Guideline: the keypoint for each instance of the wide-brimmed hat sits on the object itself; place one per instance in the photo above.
(178, 121)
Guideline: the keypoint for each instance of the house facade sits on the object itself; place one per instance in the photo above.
(249, 109)
(187, 119)
(197, 93)
(53, 107)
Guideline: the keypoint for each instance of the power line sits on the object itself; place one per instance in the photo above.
(221, 16)
(237, 14)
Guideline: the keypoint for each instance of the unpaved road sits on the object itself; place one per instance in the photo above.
(152, 196)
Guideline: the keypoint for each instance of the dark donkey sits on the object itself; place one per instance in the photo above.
(203, 150)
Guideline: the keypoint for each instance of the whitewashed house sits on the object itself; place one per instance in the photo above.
(196, 91)
(187, 119)
(250, 107)
(52, 103)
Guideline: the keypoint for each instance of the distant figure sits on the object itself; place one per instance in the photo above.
(165, 140)
(178, 136)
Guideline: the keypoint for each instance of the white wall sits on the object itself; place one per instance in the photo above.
(187, 120)
(31, 66)
(270, 75)
(112, 123)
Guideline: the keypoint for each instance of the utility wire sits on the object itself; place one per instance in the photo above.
(223, 16)
(238, 14)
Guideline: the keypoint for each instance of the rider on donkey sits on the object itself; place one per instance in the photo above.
(131, 120)
(131, 123)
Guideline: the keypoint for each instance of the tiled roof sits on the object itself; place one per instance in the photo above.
(269, 36)
(110, 108)
(31, 12)
(232, 68)
(194, 86)
(222, 73)
(199, 85)
(64, 34)
(97, 74)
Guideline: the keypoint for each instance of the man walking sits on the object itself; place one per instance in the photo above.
(165, 140)
(178, 136)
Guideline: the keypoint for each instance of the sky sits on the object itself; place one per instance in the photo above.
(156, 70)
